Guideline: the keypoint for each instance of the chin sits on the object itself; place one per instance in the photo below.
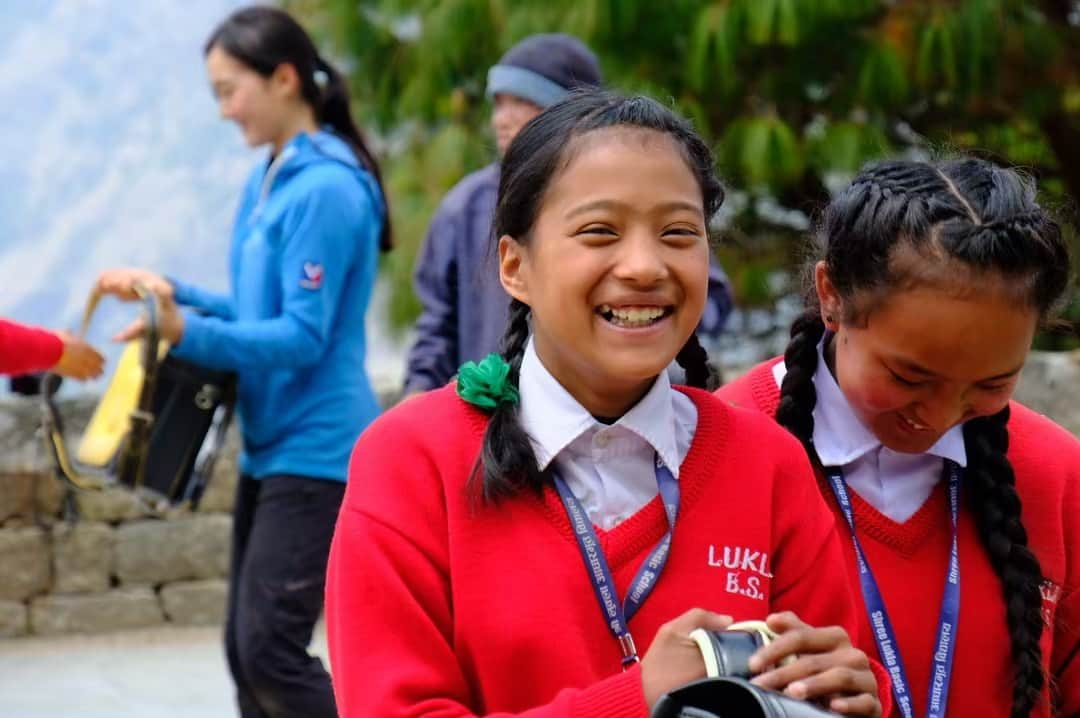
(909, 444)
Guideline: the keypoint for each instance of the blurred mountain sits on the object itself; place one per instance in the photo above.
(113, 152)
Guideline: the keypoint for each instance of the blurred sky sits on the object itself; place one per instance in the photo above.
(113, 152)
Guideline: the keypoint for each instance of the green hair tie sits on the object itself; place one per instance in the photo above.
(486, 384)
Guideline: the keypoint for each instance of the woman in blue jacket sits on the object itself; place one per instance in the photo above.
(309, 228)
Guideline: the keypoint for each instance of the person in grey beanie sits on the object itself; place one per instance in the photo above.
(456, 278)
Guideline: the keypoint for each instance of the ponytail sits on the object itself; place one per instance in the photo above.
(332, 108)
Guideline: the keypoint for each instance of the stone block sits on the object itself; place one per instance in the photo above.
(17, 495)
(24, 563)
(82, 557)
(111, 505)
(115, 610)
(157, 552)
(195, 603)
(220, 494)
(14, 619)
(1050, 384)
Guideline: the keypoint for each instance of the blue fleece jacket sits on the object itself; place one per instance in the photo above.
(302, 268)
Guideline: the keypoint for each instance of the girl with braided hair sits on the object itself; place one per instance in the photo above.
(510, 544)
(960, 507)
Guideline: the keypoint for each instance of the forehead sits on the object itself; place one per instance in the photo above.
(221, 65)
(638, 166)
(964, 336)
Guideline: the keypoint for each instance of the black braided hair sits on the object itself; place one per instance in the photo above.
(535, 155)
(982, 217)
(694, 360)
(797, 394)
(507, 459)
(991, 484)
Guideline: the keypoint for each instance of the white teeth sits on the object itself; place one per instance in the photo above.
(914, 424)
(632, 316)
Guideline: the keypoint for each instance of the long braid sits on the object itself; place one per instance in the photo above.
(507, 459)
(991, 488)
(797, 393)
(903, 223)
(694, 360)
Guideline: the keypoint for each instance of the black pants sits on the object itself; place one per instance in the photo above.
(282, 527)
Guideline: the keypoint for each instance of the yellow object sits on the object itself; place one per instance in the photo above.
(112, 418)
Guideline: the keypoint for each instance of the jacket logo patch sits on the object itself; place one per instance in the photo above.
(312, 276)
(745, 569)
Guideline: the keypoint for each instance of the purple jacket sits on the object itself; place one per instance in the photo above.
(457, 281)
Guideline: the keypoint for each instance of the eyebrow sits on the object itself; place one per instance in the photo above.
(919, 369)
(613, 204)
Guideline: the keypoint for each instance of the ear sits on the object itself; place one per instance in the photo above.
(286, 80)
(832, 306)
(513, 268)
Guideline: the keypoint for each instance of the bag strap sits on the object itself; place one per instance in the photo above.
(133, 456)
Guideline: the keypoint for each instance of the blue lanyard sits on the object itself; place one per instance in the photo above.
(617, 614)
(879, 617)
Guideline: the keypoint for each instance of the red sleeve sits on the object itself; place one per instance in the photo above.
(25, 349)
(809, 555)
(1065, 654)
(389, 613)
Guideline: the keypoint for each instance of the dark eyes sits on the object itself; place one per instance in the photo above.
(609, 232)
(912, 384)
(904, 382)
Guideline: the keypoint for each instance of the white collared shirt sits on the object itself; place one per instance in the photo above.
(609, 468)
(894, 483)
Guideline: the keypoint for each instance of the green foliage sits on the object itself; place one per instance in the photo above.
(793, 93)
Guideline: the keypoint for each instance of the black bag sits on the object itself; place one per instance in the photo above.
(169, 440)
(728, 697)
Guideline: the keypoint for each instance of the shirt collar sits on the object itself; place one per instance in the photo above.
(553, 418)
(840, 437)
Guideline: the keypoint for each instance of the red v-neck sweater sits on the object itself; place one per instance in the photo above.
(438, 604)
(25, 349)
(909, 561)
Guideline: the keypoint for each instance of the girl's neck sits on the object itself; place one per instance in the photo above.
(601, 397)
(829, 350)
(299, 122)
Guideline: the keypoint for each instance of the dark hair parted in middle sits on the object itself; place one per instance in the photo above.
(960, 224)
(537, 154)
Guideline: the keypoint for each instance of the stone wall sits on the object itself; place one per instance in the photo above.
(118, 566)
(79, 562)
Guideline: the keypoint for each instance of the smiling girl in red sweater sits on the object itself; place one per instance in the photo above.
(931, 283)
(511, 545)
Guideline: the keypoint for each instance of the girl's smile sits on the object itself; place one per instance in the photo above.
(615, 270)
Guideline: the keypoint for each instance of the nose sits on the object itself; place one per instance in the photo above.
(943, 410)
(640, 259)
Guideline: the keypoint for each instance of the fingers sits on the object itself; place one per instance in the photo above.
(845, 671)
(796, 637)
(865, 704)
(121, 283)
(79, 360)
(131, 331)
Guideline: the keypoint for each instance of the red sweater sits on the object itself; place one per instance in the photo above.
(25, 349)
(438, 604)
(909, 561)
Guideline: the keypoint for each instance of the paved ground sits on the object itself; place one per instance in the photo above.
(158, 673)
